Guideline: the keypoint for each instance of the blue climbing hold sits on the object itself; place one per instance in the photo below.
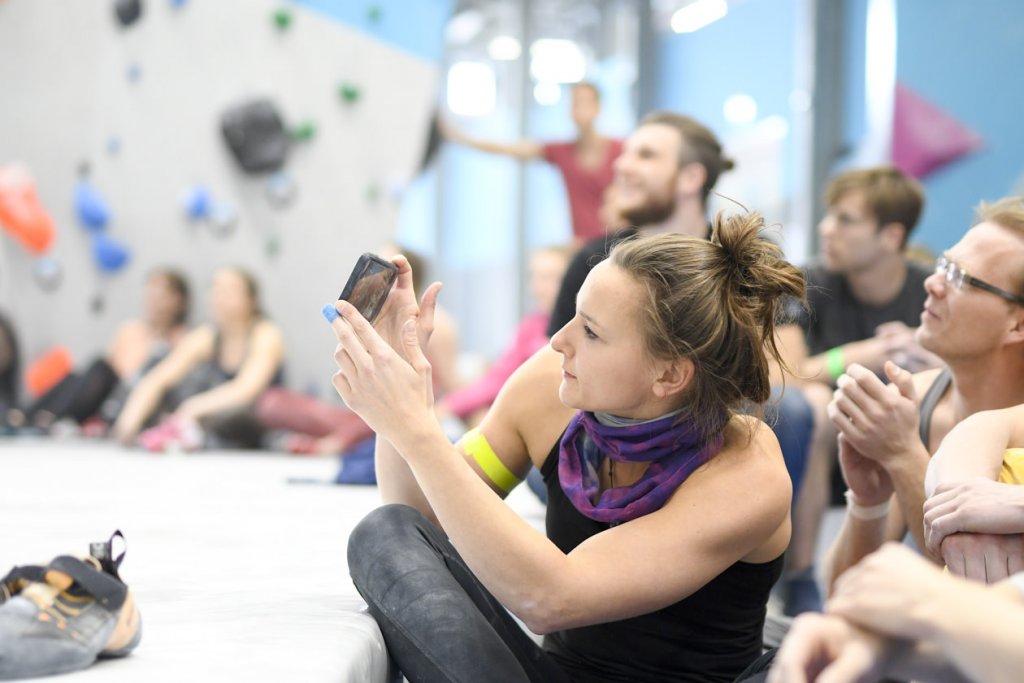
(198, 203)
(91, 208)
(109, 254)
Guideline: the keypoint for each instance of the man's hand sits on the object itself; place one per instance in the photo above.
(987, 558)
(979, 505)
(888, 592)
(868, 480)
(880, 421)
(828, 649)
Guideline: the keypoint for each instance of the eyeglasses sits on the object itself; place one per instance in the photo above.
(956, 276)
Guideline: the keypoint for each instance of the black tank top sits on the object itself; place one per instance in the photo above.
(710, 636)
(931, 399)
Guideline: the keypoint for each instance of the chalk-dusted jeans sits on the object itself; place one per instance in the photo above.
(438, 620)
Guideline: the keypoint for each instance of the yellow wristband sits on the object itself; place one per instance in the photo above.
(835, 364)
(475, 444)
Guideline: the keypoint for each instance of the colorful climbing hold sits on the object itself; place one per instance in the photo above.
(21, 213)
(198, 203)
(223, 219)
(48, 273)
(282, 19)
(281, 190)
(50, 368)
(109, 254)
(349, 93)
(254, 132)
(303, 132)
(127, 11)
(91, 208)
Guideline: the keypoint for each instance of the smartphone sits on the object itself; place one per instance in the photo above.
(368, 285)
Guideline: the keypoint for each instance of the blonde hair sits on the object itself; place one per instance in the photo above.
(1007, 213)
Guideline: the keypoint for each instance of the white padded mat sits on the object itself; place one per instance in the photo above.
(239, 575)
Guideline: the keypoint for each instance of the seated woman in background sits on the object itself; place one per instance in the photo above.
(668, 507)
(10, 375)
(212, 378)
(470, 403)
(137, 346)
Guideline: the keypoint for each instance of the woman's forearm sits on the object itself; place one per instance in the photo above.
(396, 481)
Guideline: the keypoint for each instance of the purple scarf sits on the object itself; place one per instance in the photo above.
(673, 451)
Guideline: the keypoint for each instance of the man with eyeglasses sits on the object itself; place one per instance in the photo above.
(973, 319)
(864, 299)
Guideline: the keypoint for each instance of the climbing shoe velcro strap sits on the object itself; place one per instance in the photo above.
(107, 590)
(18, 578)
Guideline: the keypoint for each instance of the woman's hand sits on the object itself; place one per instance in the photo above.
(390, 388)
(400, 306)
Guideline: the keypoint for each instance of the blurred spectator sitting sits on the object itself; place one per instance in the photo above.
(137, 346)
(212, 378)
(10, 375)
(470, 403)
(864, 299)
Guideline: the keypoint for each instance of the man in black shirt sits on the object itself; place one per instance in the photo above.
(662, 180)
(864, 303)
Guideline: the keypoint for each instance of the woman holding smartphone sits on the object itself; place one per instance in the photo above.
(668, 507)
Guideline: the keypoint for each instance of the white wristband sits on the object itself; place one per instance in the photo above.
(866, 513)
(1018, 582)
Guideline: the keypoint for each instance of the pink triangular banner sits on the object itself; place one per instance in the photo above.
(924, 137)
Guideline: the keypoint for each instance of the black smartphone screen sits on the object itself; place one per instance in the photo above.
(369, 284)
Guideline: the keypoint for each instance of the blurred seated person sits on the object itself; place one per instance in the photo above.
(10, 369)
(470, 403)
(897, 615)
(212, 378)
(138, 345)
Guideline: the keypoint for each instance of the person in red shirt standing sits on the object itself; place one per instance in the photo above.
(585, 163)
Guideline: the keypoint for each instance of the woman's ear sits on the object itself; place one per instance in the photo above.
(673, 377)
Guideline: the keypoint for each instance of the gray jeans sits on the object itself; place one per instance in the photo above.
(438, 620)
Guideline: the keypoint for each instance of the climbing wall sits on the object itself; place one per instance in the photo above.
(197, 134)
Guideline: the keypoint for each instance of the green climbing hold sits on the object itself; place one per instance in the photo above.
(272, 247)
(373, 194)
(303, 132)
(374, 13)
(283, 19)
(349, 92)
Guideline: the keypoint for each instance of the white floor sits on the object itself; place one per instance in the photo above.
(237, 560)
(239, 569)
